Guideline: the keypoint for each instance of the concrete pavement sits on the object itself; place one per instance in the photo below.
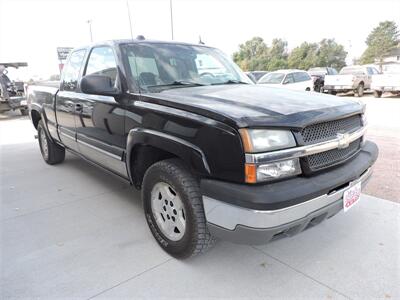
(73, 231)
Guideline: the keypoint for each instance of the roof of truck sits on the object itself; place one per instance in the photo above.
(141, 41)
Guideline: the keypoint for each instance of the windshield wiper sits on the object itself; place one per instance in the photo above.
(231, 81)
(178, 83)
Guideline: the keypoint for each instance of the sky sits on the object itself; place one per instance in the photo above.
(31, 30)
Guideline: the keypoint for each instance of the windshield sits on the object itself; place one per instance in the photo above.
(272, 78)
(157, 66)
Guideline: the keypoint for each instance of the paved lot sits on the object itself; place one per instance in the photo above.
(73, 231)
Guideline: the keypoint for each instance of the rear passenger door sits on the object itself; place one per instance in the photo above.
(67, 105)
(100, 123)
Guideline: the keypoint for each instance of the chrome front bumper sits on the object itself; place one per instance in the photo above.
(243, 225)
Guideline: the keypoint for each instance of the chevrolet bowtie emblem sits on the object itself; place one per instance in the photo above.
(343, 140)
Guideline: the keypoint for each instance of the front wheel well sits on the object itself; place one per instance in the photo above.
(141, 158)
(35, 115)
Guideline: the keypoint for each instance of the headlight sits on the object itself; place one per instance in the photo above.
(275, 170)
(261, 140)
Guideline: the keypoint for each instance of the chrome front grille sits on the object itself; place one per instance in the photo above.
(330, 158)
(326, 131)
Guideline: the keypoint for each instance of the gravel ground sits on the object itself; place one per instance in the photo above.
(384, 129)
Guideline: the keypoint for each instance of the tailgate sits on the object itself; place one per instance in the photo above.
(339, 80)
(386, 80)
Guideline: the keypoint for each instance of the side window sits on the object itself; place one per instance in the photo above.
(102, 62)
(71, 70)
(301, 76)
(289, 79)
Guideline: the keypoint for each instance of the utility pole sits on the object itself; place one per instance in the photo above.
(172, 21)
(90, 30)
(129, 16)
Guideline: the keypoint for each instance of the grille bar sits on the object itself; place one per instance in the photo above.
(321, 132)
(328, 130)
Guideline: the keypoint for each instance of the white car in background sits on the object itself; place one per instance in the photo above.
(389, 81)
(288, 79)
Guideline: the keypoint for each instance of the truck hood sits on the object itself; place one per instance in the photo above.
(245, 105)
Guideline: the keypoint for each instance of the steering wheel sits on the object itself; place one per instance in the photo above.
(207, 74)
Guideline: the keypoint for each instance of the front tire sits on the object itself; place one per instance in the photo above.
(52, 153)
(174, 209)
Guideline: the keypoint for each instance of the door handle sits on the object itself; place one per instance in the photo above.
(78, 107)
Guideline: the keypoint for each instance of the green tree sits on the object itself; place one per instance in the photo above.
(330, 54)
(303, 56)
(380, 41)
(277, 55)
(252, 55)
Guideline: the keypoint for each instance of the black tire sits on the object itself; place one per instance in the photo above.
(332, 93)
(360, 90)
(55, 154)
(308, 89)
(24, 111)
(377, 94)
(196, 238)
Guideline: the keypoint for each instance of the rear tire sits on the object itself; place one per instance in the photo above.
(360, 90)
(24, 111)
(377, 94)
(52, 153)
(332, 93)
(174, 209)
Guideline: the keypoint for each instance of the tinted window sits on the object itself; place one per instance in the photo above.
(102, 62)
(272, 78)
(301, 76)
(72, 69)
(289, 79)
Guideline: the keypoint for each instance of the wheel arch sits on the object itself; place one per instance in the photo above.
(146, 147)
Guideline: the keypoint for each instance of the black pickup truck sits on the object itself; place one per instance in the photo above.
(213, 154)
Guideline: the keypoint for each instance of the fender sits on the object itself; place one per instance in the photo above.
(185, 150)
(40, 110)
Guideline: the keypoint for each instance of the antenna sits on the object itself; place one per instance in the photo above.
(172, 22)
(129, 17)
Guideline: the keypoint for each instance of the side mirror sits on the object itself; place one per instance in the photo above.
(98, 85)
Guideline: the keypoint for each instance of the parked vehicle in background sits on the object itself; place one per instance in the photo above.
(289, 79)
(318, 76)
(352, 78)
(214, 155)
(12, 93)
(389, 81)
(256, 75)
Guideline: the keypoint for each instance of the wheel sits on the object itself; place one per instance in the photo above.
(24, 111)
(174, 209)
(332, 92)
(360, 90)
(308, 89)
(377, 94)
(52, 153)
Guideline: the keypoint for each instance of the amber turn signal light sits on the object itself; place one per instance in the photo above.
(247, 145)
(250, 171)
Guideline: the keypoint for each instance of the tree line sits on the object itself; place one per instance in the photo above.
(255, 54)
